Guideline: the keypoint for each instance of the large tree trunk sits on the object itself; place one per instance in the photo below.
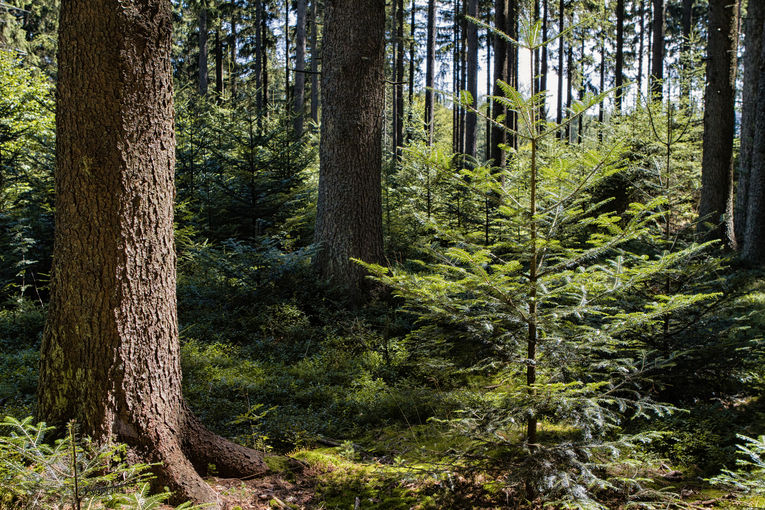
(430, 70)
(472, 79)
(619, 65)
(657, 59)
(203, 80)
(299, 95)
(716, 205)
(110, 353)
(349, 209)
(753, 30)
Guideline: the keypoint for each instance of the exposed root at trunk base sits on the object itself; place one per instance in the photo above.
(204, 448)
(185, 457)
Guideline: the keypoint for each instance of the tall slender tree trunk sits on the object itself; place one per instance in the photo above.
(716, 205)
(430, 70)
(641, 46)
(561, 28)
(580, 130)
(399, 78)
(218, 62)
(287, 92)
(232, 49)
(489, 57)
(349, 208)
(395, 142)
(512, 68)
(685, 85)
(543, 67)
(110, 356)
(203, 75)
(569, 84)
(471, 120)
(412, 56)
(753, 33)
(260, 103)
(498, 134)
(619, 64)
(657, 58)
(314, 61)
(264, 31)
(299, 95)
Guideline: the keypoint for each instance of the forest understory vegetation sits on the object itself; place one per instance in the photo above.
(554, 332)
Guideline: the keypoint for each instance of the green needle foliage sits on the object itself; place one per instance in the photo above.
(545, 314)
(72, 472)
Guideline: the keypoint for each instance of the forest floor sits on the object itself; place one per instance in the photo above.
(324, 479)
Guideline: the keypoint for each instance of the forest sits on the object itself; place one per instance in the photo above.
(370, 254)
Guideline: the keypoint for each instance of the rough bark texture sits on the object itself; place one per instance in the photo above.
(299, 94)
(753, 30)
(232, 49)
(430, 70)
(753, 242)
(471, 119)
(203, 76)
(349, 209)
(716, 205)
(657, 58)
(110, 353)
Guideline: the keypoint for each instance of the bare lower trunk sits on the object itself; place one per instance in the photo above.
(349, 208)
(110, 356)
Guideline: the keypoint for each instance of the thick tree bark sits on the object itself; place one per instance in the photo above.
(299, 94)
(110, 356)
(619, 64)
(752, 239)
(430, 71)
(314, 61)
(498, 135)
(657, 58)
(203, 75)
(349, 209)
(395, 142)
(471, 119)
(716, 205)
